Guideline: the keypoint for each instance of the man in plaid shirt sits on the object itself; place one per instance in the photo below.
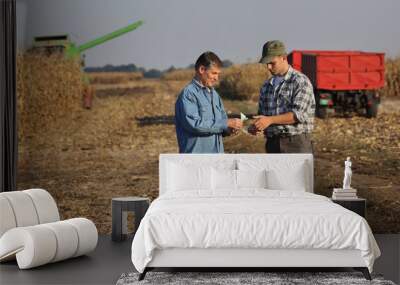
(286, 106)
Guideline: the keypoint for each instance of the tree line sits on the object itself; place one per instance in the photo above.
(147, 73)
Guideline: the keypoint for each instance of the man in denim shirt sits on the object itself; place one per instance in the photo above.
(286, 106)
(200, 118)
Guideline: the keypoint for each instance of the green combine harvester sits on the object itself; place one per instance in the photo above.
(63, 44)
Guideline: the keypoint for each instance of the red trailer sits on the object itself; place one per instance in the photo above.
(342, 80)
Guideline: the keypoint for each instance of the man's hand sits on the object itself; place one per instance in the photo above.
(253, 130)
(262, 122)
(234, 131)
(230, 132)
(235, 124)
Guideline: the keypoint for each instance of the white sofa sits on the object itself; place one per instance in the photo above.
(31, 231)
(199, 193)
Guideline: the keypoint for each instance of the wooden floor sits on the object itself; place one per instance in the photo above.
(111, 259)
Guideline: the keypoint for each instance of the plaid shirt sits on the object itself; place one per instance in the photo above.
(293, 94)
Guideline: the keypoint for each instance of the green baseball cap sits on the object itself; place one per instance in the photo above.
(272, 49)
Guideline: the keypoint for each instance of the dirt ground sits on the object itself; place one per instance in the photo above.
(112, 150)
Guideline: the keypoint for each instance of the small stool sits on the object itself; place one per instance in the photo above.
(120, 208)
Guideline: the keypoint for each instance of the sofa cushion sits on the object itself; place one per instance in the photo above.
(87, 234)
(7, 220)
(23, 208)
(26, 208)
(34, 244)
(67, 240)
(46, 207)
(40, 244)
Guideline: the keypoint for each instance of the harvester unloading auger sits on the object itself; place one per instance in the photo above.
(62, 43)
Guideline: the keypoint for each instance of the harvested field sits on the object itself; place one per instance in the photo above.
(93, 155)
(114, 77)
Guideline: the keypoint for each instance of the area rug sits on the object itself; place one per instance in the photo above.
(243, 278)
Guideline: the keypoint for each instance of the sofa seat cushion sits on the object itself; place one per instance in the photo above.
(40, 244)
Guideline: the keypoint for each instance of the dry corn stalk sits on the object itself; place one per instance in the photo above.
(179, 75)
(392, 76)
(243, 82)
(49, 92)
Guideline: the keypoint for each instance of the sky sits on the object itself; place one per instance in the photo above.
(176, 32)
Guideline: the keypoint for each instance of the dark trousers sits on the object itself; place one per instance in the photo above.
(291, 144)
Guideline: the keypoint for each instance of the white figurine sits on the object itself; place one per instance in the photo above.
(347, 174)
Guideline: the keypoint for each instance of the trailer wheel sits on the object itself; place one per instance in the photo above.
(372, 109)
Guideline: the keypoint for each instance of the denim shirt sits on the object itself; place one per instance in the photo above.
(200, 119)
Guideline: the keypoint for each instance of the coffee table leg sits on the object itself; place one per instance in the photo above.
(116, 221)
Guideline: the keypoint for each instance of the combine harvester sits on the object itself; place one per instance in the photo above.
(62, 44)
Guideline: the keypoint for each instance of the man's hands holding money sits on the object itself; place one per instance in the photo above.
(235, 125)
(259, 125)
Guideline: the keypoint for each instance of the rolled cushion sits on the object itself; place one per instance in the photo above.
(26, 208)
(46, 207)
(67, 240)
(33, 246)
(87, 234)
(23, 208)
(37, 245)
(7, 218)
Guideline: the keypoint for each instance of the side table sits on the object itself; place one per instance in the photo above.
(357, 205)
(120, 208)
